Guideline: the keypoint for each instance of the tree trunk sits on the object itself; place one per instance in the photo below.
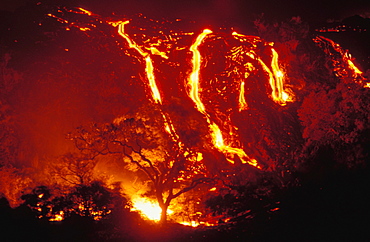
(163, 214)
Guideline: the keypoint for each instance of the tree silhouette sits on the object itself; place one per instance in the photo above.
(39, 201)
(146, 146)
(92, 200)
(74, 169)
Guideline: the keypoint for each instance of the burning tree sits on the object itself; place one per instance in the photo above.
(146, 146)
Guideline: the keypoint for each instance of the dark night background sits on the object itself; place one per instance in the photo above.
(233, 11)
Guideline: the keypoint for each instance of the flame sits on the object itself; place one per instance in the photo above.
(276, 78)
(245, 38)
(155, 51)
(148, 208)
(191, 223)
(58, 217)
(73, 24)
(196, 223)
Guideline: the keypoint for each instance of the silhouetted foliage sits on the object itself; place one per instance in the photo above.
(92, 200)
(38, 201)
(73, 169)
(241, 202)
(146, 146)
(337, 118)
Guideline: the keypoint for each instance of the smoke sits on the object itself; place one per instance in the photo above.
(68, 79)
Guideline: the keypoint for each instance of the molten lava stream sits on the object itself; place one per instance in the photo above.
(148, 61)
(149, 70)
(276, 75)
(242, 103)
(346, 58)
(280, 96)
(216, 134)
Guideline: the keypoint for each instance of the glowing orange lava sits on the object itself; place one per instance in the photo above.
(193, 80)
(149, 69)
(85, 11)
(242, 103)
(216, 134)
(278, 93)
(272, 69)
(346, 58)
(276, 74)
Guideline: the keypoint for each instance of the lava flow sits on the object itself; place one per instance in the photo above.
(216, 134)
(149, 70)
(342, 60)
(251, 62)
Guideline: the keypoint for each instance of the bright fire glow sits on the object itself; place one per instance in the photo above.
(58, 217)
(276, 79)
(148, 208)
(191, 223)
